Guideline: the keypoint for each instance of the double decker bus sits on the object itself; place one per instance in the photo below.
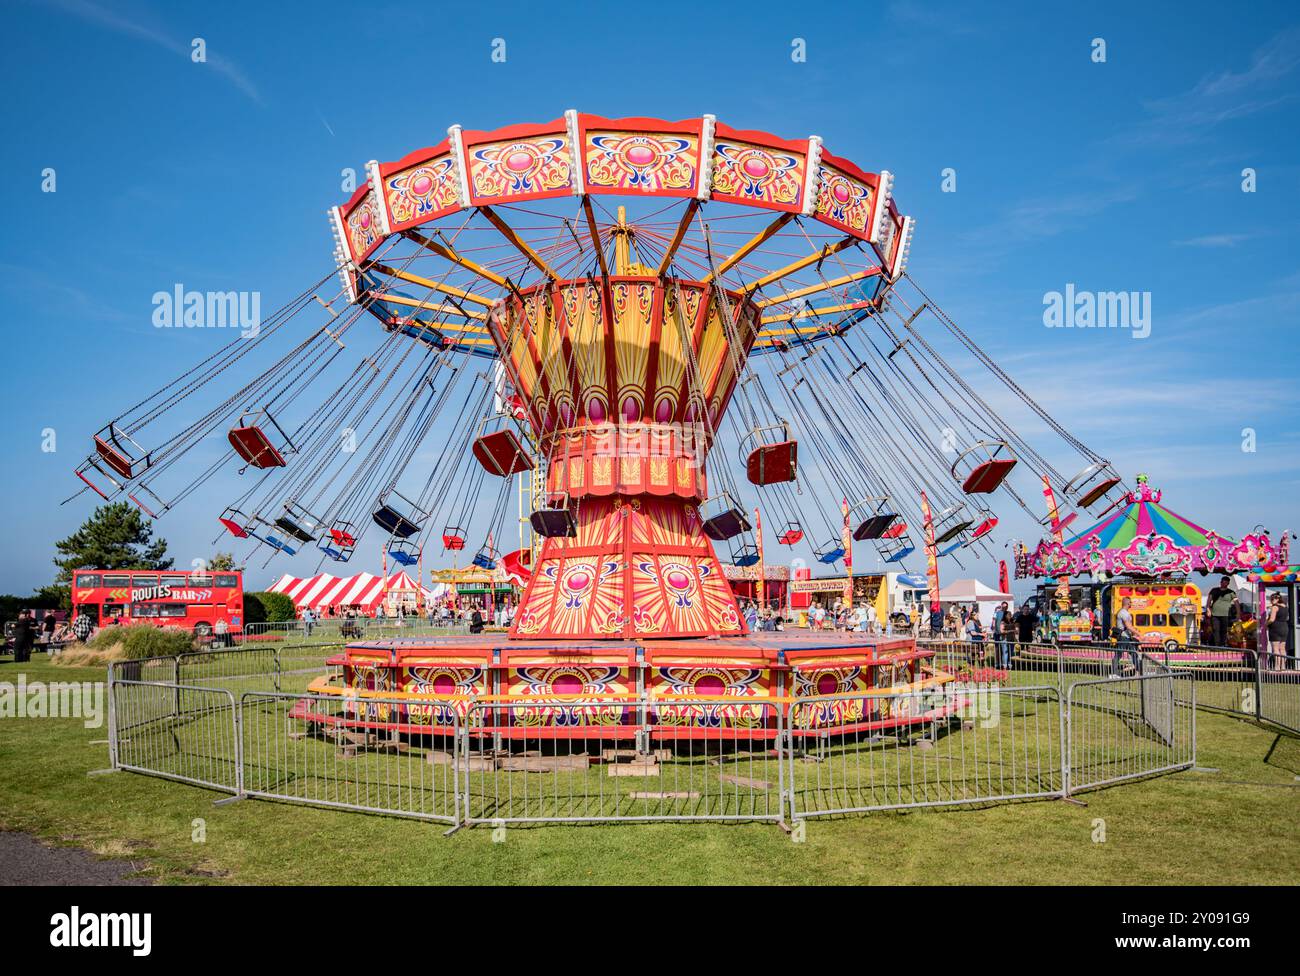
(192, 601)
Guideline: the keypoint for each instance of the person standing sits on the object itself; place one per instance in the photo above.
(81, 627)
(1002, 633)
(1277, 625)
(1220, 604)
(222, 629)
(24, 637)
(1126, 639)
(308, 619)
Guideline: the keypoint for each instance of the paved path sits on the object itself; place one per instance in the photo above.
(26, 861)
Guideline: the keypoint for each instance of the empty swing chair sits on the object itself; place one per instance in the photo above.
(770, 463)
(252, 442)
(555, 521)
(1093, 484)
(339, 541)
(745, 553)
(298, 523)
(950, 523)
(791, 534)
(722, 518)
(398, 515)
(897, 549)
(237, 523)
(832, 552)
(874, 518)
(144, 489)
(983, 466)
(96, 463)
(500, 451)
(487, 557)
(404, 553)
(453, 538)
(120, 452)
(983, 527)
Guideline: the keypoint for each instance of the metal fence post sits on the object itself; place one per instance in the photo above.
(1066, 704)
(112, 720)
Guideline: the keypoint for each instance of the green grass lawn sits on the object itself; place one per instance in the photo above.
(1236, 825)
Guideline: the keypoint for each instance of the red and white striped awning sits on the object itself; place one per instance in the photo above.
(364, 590)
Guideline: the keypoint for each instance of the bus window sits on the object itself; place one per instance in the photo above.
(117, 580)
(90, 610)
(226, 579)
(112, 610)
(87, 580)
(1157, 591)
(143, 610)
(142, 580)
(1159, 620)
(173, 580)
(171, 609)
(1142, 620)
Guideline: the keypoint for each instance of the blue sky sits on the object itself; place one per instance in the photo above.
(1124, 175)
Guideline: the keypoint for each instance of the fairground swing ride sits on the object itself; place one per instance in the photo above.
(627, 314)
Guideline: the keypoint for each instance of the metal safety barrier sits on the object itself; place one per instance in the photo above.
(989, 737)
(1278, 690)
(942, 747)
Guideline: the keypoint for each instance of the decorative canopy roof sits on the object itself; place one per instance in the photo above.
(1143, 537)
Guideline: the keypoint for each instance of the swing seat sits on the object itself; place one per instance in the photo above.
(952, 531)
(485, 559)
(791, 535)
(894, 531)
(402, 555)
(745, 556)
(554, 523)
(727, 524)
(501, 454)
(394, 522)
(898, 555)
(236, 523)
(950, 549)
(832, 553)
(343, 537)
(1060, 524)
(117, 455)
(283, 546)
(1097, 492)
(338, 555)
(984, 528)
(987, 476)
(293, 529)
(771, 464)
(453, 538)
(874, 527)
(252, 444)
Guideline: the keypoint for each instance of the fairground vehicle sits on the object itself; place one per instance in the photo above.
(894, 595)
(1164, 611)
(188, 601)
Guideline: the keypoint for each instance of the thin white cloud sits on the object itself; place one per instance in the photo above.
(1215, 240)
(112, 20)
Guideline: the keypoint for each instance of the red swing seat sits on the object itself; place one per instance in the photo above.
(987, 476)
(501, 453)
(252, 444)
(791, 535)
(1097, 492)
(771, 464)
(984, 528)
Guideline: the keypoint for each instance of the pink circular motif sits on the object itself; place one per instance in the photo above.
(567, 684)
(827, 684)
(708, 684)
(841, 192)
(664, 410)
(631, 409)
(422, 185)
(678, 579)
(365, 218)
(519, 161)
(444, 684)
(596, 411)
(578, 581)
(640, 155)
(756, 167)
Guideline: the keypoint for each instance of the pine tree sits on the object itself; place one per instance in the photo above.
(116, 536)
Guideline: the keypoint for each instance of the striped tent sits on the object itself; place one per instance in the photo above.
(364, 591)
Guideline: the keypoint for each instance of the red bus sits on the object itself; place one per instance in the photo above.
(193, 601)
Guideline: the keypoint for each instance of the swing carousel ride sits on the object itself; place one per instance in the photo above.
(626, 314)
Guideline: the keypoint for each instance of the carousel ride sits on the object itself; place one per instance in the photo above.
(620, 317)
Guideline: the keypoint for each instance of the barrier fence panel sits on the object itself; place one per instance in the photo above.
(1124, 728)
(590, 760)
(1227, 685)
(376, 754)
(178, 732)
(964, 744)
(1278, 691)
